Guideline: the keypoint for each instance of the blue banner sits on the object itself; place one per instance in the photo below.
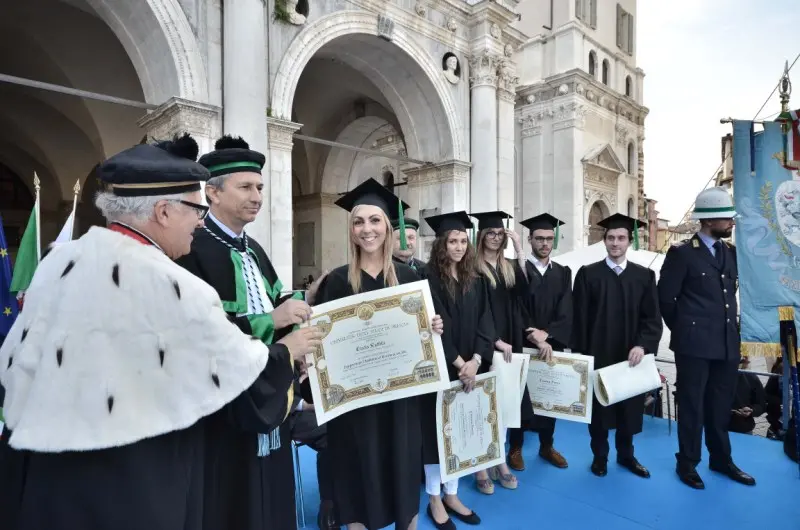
(767, 198)
(8, 302)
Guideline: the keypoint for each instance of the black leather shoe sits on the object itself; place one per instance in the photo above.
(689, 476)
(734, 473)
(633, 465)
(326, 518)
(600, 467)
(472, 518)
(447, 525)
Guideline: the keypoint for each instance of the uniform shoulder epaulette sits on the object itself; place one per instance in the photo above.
(680, 243)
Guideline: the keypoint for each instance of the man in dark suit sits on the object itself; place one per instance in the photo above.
(697, 295)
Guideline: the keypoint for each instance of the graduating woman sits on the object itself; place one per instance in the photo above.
(454, 279)
(374, 451)
(507, 289)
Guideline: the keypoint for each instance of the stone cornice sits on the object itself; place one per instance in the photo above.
(179, 115)
(495, 12)
(453, 32)
(597, 95)
(448, 171)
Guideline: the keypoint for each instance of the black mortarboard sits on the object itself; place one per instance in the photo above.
(491, 219)
(619, 220)
(165, 168)
(232, 155)
(443, 223)
(371, 192)
(409, 223)
(543, 221)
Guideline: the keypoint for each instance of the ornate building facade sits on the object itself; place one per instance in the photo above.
(455, 104)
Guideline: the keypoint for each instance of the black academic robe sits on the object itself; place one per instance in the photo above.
(416, 265)
(510, 319)
(156, 483)
(374, 451)
(548, 307)
(468, 330)
(243, 489)
(612, 314)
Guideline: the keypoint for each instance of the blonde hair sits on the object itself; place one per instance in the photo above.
(354, 265)
(505, 269)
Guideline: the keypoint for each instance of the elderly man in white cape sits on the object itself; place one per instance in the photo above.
(117, 357)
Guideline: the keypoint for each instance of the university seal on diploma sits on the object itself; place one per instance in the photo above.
(377, 347)
(563, 387)
(468, 428)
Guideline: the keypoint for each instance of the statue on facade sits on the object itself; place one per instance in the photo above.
(451, 68)
(295, 17)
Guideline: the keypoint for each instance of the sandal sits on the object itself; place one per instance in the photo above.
(508, 481)
(485, 486)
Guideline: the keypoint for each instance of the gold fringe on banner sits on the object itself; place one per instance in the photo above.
(786, 313)
(761, 349)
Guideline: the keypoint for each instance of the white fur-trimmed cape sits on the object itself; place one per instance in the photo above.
(115, 344)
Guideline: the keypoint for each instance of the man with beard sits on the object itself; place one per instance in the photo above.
(697, 293)
(616, 320)
(406, 255)
(549, 307)
(249, 477)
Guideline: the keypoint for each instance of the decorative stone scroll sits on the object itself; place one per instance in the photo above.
(177, 116)
(483, 70)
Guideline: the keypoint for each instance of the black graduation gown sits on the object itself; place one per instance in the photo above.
(156, 483)
(548, 306)
(468, 330)
(510, 319)
(244, 490)
(416, 265)
(374, 451)
(612, 314)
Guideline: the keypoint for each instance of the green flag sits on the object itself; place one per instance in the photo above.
(27, 256)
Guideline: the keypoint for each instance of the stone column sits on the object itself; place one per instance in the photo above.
(483, 181)
(177, 116)
(506, 183)
(278, 203)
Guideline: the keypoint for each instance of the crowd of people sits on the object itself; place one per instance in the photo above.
(156, 376)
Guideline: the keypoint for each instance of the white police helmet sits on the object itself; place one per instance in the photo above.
(714, 203)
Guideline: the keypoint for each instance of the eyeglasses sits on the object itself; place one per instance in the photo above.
(540, 239)
(495, 235)
(201, 209)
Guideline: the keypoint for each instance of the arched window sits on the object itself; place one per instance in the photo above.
(631, 158)
(592, 63)
(606, 68)
(629, 86)
(631, 213)
(388, 180)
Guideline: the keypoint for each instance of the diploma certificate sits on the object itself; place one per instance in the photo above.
(468, 428)
(511, 380)
(378, 347)
(562, 388)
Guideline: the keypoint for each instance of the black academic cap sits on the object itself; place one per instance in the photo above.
(232, 155)
(619, 220)
(543, 221)
(371, 192)
(410, 223)
(165, 168)
(441, 224)
(491, 219)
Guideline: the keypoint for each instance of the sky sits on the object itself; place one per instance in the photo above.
(705, 60)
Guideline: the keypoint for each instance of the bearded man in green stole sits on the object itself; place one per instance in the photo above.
(249, 476)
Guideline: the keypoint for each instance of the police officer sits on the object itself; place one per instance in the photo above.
(697, 295)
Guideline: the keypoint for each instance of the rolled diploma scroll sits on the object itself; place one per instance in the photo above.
(620, 381)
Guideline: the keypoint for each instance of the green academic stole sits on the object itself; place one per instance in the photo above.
(263, 327)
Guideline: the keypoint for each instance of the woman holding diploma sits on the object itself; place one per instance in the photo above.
(453, 277)
(374, 451)
(507, 289)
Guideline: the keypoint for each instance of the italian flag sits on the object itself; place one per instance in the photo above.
(29, 253)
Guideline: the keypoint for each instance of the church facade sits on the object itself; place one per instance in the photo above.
(526, 107)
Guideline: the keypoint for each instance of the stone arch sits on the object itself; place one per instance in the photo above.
(159, 40)
(596, 210)
(440, 115)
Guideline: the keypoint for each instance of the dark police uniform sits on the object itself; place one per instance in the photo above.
(697, 295)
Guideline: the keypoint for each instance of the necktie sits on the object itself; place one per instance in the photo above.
(718, 250)
(618, 270)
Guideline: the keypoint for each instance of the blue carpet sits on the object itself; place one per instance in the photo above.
(573, 498)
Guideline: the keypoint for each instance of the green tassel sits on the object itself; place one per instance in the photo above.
(402, 225)
(555, 241)
(635, 234)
